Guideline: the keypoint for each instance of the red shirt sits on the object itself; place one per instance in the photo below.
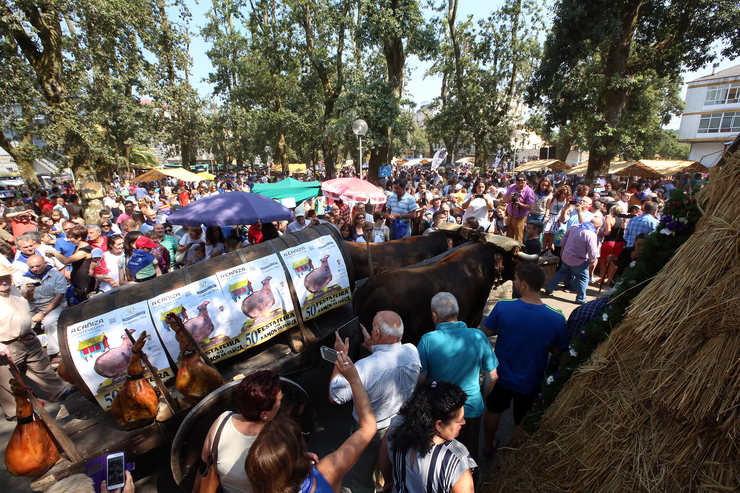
(101, 242)
(19, 228)
(254, 235)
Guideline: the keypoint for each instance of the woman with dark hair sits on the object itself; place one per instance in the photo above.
(129, 242)
(542, 198)
(278, 461)
(214, 242)
(357, 221)
(82, 282)
(258, 400)
(477, 204)
(269, 232)
(346, 230)
(419, 452)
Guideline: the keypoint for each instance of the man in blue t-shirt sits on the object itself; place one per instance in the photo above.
(455, 353)
(527, 331)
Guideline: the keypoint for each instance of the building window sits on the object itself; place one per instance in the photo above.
(720, 122)
(727, 94)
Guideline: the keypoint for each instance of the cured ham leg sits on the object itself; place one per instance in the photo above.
(135, 405)
(195, 379)
(30, 451)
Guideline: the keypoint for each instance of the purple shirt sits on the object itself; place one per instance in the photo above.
(526, 197)
(579, 245)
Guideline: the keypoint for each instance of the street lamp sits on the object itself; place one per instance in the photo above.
(516, 140)
(267, 150)
(359, 127)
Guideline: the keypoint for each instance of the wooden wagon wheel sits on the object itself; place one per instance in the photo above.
(188, 442)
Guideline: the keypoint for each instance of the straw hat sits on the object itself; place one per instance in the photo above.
(4, 271)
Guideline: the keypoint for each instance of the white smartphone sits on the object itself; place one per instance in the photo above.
(328, 354)
(115, 467)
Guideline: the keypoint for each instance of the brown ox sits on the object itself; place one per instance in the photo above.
(468, 273)
(396, 254)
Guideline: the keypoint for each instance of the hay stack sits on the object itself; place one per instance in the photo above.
(656, 408)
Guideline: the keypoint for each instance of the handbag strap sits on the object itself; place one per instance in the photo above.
(217, 437)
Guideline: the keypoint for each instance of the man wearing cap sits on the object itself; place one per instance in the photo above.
(579, 250)
(300, 220)
(18, 341)
(520, 199)
(44, 288)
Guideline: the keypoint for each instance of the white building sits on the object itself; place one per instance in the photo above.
(712, 114)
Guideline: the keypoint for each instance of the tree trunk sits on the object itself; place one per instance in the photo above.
(564, 143)
(616, 94)
(329, 158)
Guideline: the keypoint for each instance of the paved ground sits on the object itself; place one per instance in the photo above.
(153, 475)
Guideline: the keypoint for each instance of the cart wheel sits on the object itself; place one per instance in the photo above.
(186, 447)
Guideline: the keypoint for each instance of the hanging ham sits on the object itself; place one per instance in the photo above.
(135, 405)
(30, 451)
(195, 379)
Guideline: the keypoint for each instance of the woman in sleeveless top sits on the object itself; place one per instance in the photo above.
(288, 468)
(258, 402)
(613, 234)
(419, 453)
(552, 223)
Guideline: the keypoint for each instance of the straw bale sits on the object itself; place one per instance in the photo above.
(656, 407)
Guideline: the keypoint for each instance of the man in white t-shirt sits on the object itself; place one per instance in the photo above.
(110, 200)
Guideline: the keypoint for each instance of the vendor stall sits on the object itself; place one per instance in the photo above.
(161, 174)
(289, 188)
(542, 165)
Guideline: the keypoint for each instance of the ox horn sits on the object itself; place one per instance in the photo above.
(525, 257)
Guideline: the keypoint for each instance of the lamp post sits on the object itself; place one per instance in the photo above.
(267, 151)
(359, 127)
(516, 140)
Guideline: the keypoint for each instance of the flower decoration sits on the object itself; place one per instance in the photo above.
(550, 380)
(633, 264)
(605, 317)
(573, 353)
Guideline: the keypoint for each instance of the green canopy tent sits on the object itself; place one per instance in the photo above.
(289, 188)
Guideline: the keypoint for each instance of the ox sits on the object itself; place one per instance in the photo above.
(469, 273)
(396, 254)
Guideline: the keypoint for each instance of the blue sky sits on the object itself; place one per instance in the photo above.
(420, 89)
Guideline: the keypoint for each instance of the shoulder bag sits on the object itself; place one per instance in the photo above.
(206, 479)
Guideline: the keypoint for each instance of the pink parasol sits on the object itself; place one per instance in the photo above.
(353, 189)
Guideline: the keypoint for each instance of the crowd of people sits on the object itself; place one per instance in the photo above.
(418, 410)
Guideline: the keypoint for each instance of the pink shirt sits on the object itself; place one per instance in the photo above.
(579, 244)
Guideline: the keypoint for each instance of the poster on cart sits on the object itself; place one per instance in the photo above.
(203, 310)
(319, 276)
(259, 304)
(101, 350)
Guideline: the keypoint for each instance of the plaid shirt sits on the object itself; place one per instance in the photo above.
(584, 314)
(645, 223)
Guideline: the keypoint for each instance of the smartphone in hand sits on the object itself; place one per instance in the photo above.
(329, 354)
